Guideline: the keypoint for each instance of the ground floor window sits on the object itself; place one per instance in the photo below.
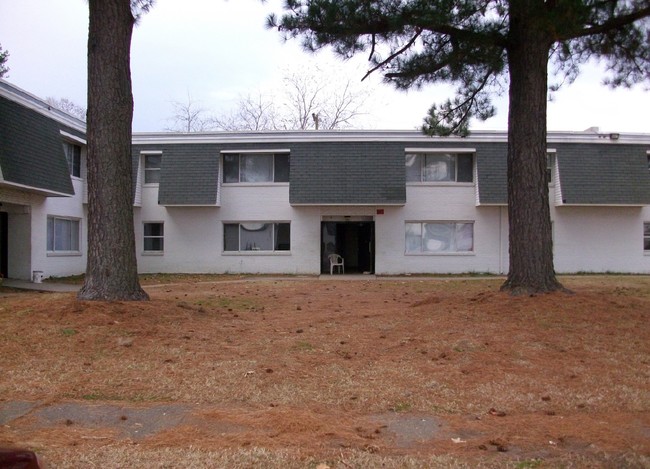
(62, 234)
(154, 237)
(646, 237)
(256, 236)
(439, 237)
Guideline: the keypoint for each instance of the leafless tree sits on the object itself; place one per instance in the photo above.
(315, 99)
(190, 117)
(310, 99)
(252, 113)
(66, 105)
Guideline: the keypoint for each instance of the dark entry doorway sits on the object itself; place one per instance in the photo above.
(4, 243)
(353, 240)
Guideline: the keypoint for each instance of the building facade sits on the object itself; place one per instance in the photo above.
(388, 202)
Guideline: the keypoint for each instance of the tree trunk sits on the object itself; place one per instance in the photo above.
(111, 272)
(531, 242)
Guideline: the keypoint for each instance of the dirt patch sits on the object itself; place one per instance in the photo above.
(365, 373)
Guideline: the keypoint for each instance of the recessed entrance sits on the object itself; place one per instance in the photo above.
(4, 243)
(354, 240)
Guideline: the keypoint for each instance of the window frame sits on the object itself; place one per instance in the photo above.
(646, 238)
(551, 159)
(51, 236)
(422, 153)
(151, 170)
(72, 152)
(161, 237)
(457, 224)
(275, 231)
(275, 154)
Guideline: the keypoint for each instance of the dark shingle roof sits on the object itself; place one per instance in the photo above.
(492, 170)
(347, 173)
(604, 174)
(372, 171)
(189, 174)
(31, 150)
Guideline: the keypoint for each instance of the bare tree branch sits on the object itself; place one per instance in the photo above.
(189, 117)
(68, 106)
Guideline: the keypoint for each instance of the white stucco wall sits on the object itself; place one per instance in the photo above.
(17, 204)
(454, 203)
(19, 247)
(59, 264)
(194, 235)
(600, 239)
(589, 239)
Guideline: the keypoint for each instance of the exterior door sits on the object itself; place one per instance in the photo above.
(353, 240)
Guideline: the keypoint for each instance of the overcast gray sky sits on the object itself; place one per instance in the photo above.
(217, 51)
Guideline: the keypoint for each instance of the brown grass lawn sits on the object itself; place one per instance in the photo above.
(302, 373)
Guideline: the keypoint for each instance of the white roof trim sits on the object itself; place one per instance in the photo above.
(190, 205)
(285, 137)
(28, 100)
(248, 150)
(151, 152)
(565, 204)
(36, 190)
(69, 136)
(378, 204)
(439, 150)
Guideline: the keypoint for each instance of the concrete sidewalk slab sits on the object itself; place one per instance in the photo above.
(45, 286)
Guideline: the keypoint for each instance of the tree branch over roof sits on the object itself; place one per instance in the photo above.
(392, 56)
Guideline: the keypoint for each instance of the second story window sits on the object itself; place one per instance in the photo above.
(550, 164)
(73, 157)
(255, 167)
(439, 167)
(152, 168)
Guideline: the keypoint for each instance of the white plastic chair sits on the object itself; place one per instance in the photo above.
(336, 261)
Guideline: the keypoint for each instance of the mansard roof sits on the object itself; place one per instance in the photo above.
(31, 150)
(367, 167)
(341, 167)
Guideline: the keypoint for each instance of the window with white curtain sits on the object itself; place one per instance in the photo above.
(439, 167)
(439, 237)
(62, 234)
(255, 167)
(256, 236)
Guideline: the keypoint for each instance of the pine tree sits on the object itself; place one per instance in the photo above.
(482, 47)
(111, 273)
(4, 58)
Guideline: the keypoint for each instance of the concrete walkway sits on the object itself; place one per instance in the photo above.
(66, 287)
(45, 286)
